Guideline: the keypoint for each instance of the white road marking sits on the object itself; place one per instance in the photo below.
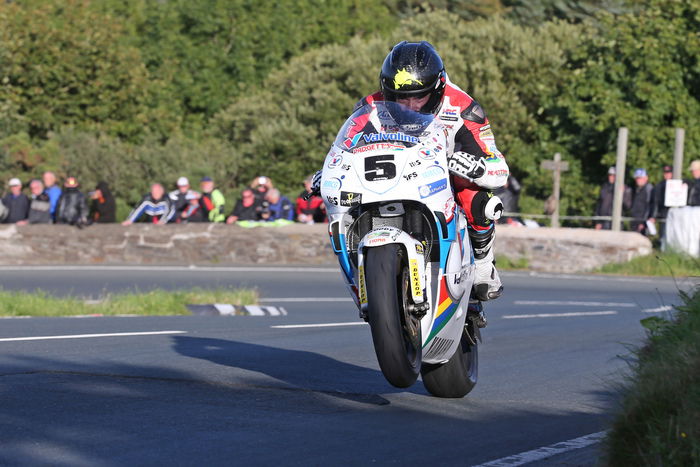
(561, 315)
(85, 336)
(547, 451)
(658, 309)
(306, 299)
(321, 325)
(573, 303)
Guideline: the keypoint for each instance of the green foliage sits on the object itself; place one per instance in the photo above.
(64, 64)
(534, 12)
(658, 424)
(640, 71)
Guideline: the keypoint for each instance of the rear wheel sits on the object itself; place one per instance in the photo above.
(395, 332)
(458, 376)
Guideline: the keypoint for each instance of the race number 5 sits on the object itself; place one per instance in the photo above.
(380, 168)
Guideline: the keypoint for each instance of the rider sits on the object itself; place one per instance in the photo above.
(413, 75)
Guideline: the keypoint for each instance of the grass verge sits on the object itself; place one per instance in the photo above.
(660, 419)
(656, 264)
(156, 302)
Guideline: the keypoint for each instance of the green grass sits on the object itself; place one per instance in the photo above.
(656, 264)
(503, 262)
(157, 302)
(660, 419)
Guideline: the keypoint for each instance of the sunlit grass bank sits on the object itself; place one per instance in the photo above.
(157, 302)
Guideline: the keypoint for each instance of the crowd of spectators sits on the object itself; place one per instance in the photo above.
(48, 203)
(644, 202)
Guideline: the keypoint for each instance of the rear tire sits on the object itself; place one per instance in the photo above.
(458, 376)
(388, 287)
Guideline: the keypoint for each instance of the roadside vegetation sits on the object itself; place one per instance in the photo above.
(656, 264)
(156, 302)
(659, 423)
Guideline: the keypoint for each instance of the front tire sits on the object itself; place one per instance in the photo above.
(458, 376)
(398, 349)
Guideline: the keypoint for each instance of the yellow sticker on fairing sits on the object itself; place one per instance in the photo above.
(363, 292)
(415, 278)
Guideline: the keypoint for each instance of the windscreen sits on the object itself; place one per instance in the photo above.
(382, 123)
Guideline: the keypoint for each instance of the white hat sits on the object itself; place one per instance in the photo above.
(14, 182)
(182, 181)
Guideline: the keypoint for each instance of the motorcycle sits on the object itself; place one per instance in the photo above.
(402, 245)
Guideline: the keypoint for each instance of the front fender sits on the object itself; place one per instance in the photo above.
(414, 252)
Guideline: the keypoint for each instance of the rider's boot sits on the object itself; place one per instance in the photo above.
(487, 284)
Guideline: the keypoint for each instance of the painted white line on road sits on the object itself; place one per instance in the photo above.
(660, 309)
(306, 299)
(547, 451)
(572, 303)
(85, 336)
(561, 315)
(321, 325)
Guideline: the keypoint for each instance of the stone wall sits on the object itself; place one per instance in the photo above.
(554, 250)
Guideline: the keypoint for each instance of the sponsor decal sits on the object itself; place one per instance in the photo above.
(349, 198)
(497, 173)
(332, 200)
(377, 241)
(335, 161)
(427, 154)
(352, 142)
(415, 278)
(345, 166)
(433, 171)
(377, 137)
(363, 291)
(377, 233)
(378, 146)
(419, 249)
(410, 176)
(450, 112)
(492, 158)
(405, 78)
(333, 184)
(449, 115)
(415, 163)
(432, 188)
(485, 134)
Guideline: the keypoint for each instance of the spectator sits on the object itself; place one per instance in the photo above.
(510, 197)
(660, 209)
(212, 201)
(261, 185)
(309, 210)
(39, 205)
(53, 190)
(694, 184)
(246, 209)
(103, 207)
(277, 207)
(604, 206)
(16, 203)
(154, 207)
(72, 206)
(186, 202)
(642, 202)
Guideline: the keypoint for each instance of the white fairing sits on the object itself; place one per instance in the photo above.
(392, 165)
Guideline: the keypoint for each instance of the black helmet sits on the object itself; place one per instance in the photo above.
(413, 69)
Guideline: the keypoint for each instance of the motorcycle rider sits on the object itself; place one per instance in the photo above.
(413, 75)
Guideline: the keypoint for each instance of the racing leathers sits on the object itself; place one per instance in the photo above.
(477, 167)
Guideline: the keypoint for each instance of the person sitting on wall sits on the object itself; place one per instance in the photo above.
(39, 205)
(16, 203)
(246, 209)
(155, 207)
(72, 206)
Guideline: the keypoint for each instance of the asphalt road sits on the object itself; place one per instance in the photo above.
(241, 390)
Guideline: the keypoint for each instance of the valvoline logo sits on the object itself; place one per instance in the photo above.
(352, 142)
(431, 188)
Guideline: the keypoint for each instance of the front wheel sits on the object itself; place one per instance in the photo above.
(458, 376)
(395, 332)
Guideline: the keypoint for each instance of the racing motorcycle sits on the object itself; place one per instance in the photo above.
(402, 245)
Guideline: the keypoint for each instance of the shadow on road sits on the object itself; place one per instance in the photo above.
(299, 369)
